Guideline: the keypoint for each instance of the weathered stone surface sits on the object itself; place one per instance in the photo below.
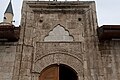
(7, 58)
(91, 59)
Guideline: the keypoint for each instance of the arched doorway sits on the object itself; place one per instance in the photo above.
(58, 72)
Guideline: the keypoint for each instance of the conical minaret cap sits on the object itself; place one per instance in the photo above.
(9, 8)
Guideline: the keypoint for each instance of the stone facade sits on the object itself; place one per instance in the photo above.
(91, 59)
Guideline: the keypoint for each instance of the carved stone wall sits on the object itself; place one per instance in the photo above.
(59, 53)
(74, 19)
(91, 59)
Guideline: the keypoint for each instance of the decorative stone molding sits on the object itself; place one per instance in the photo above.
(59, 34)
(58, 58)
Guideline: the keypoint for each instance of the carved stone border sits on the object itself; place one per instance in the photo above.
(58, 58)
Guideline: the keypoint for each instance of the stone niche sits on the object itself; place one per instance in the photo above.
(58, 34)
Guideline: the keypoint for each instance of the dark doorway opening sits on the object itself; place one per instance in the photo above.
(66, 73)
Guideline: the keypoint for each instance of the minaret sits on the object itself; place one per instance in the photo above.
(8, 15)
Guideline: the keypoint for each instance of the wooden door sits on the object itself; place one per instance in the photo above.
(58, 72)
(50, 73)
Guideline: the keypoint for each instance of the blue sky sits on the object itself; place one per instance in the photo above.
(107, 11)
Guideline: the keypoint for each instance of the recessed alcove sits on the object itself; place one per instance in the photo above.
(58, 33)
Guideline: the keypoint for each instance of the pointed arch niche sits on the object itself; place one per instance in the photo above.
(59, 33)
